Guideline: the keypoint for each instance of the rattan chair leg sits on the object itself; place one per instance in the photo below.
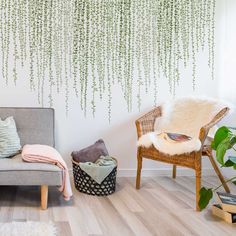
(174, 172)
(217, 170)
(139, 168)
(198, 187)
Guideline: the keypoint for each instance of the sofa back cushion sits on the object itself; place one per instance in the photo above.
(9, 139)
(34, 125)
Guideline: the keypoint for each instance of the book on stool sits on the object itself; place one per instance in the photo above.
(226, 208)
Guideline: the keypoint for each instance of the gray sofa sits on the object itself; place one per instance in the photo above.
(34, 126)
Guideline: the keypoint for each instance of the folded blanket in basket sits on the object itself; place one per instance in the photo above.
(47, 154)
(99, 170)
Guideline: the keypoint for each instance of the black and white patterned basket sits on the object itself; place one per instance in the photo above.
(85, 184)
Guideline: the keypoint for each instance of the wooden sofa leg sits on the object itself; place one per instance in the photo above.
(174, 172)
(44, 197)
(139, 168)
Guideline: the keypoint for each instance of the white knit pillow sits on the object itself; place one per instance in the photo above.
(9, 139)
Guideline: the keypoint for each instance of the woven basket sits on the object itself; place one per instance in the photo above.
(85, 184)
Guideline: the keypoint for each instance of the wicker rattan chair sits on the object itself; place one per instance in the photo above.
(192, 160)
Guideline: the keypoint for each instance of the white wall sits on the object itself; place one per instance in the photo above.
(227, 62)
(75, 131)
(227, 83)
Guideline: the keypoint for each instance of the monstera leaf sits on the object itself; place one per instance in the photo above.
(221, 150)
(224, 140)
(205, 197)
(221, 134)
(233, 160)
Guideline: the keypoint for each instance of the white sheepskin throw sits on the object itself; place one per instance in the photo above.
(182, 116)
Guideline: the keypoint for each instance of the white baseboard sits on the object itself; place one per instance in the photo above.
(163, 172)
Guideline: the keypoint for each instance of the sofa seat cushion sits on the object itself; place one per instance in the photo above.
(14, 171)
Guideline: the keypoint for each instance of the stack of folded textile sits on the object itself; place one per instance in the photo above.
(94, 170)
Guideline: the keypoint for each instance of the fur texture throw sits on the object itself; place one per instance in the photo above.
(182, 116)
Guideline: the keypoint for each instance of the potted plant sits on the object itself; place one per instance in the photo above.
(224, 140)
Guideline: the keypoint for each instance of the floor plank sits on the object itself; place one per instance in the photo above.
(163, 206)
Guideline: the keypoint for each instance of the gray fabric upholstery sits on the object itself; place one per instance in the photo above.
(30, 178)
(16, 163)
(34, 126)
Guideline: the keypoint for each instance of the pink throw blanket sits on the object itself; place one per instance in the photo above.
(47, 154)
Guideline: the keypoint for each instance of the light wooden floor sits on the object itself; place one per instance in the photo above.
(162, 206)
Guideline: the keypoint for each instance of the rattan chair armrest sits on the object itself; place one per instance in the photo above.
(145, 123)
(218, 117)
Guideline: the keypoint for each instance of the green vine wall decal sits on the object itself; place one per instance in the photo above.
(94, 45)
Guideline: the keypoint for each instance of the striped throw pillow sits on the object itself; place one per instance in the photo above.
(9, 139)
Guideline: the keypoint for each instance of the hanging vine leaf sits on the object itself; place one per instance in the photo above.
(95, 46)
